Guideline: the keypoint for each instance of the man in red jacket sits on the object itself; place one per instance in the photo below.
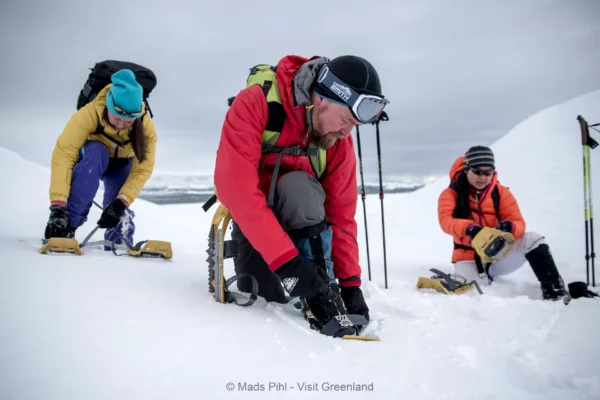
(323, 101)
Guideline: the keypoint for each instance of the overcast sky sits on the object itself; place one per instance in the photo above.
(458, 73)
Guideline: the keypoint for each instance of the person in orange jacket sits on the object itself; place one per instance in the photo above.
(475, 199)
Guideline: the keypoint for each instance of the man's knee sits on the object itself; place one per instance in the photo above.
(300, 201)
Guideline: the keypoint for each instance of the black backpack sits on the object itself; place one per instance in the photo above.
(101, 74)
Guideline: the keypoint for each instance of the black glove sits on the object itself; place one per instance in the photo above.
(59, 223)
(303, 278)
(354, 301)
(473, 230)
(580, 289)
(112, 214)
(505, 226)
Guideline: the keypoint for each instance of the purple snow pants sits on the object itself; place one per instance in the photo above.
(92, 166)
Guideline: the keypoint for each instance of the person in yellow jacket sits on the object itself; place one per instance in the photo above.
(113, 139)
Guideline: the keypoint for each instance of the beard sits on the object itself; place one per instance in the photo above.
(320, 138)
(328, 140)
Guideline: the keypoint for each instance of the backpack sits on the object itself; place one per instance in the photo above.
(265, 76)
(103, 71)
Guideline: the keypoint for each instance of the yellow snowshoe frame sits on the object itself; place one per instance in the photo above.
(145, 248)
(492, 244)
(152, 248)
(61, 245)
(361, 338)
(436, 284)
(220, 222)
(446, 283)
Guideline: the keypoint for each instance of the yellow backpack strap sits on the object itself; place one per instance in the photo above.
(318, 160)
(265, 76)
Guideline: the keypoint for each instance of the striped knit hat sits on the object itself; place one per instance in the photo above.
(479, 156)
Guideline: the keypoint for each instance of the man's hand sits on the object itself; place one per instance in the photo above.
(303, 278)
(354, 300)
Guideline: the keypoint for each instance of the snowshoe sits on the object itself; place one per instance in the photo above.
(492, 244)
(319, 313)
(145, 248)
(218, 250)
(60, 245)
(152, 248)
(341, 327)
(446, 283)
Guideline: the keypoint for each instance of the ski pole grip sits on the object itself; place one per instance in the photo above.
(584, 130)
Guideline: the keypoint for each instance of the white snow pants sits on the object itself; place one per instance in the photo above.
(509, 264)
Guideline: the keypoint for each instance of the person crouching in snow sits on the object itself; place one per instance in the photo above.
(278, 205)
(476, 199)
(112, 138)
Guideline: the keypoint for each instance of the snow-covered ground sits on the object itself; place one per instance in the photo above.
(104, 327)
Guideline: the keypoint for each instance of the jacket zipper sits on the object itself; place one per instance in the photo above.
(478, 199)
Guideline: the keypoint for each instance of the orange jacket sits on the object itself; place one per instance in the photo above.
(482, 212)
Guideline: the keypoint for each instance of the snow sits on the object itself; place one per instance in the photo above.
(104, 327)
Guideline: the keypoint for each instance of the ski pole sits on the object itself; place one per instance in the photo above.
(382, 117)
(593, 253)
(583, 126)
(587, 142)
(363, 195)
(592, 144)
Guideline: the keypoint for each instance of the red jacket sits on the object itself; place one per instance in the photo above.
(243, 175)
(483, 212)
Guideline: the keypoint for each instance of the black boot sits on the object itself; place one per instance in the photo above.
(544, 268)
(325, 307)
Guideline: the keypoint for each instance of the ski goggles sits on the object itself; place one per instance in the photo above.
(123, 113)
(480, 172)
(365, 107)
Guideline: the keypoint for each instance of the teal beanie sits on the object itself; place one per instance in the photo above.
(126, 94)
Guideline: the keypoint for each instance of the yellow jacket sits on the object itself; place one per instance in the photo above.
(81, 128)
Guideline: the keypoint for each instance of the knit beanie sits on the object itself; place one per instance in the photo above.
(125, 93)
(479, 156)
(355, 72)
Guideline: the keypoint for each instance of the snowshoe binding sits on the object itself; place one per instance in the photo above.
(446, 283)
